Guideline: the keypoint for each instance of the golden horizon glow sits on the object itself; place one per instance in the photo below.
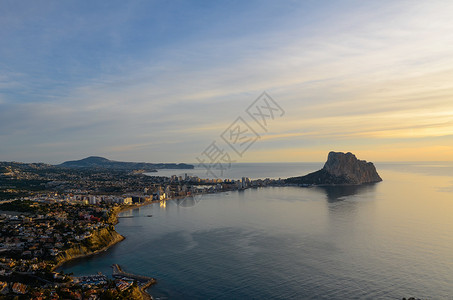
(373, 79)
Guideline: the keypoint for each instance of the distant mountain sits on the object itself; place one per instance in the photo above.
(340, 168)
(101, 162)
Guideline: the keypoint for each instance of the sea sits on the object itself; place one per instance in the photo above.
(388, 240)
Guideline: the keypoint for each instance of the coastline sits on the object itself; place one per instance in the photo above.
(114, 220)
(91, 253)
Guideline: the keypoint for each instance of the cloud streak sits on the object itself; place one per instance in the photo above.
(139, 87)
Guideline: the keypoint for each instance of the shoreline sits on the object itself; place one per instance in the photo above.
(59, 264)
(115, 221)
(105, 248)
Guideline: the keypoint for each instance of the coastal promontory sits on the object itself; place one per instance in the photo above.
(340, 168)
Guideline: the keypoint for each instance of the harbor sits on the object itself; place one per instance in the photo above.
(142, 281)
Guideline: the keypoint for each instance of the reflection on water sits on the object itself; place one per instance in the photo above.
(189, 201)
(342, 192)
(127, 213)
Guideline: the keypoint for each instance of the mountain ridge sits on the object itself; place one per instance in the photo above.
(102, 162)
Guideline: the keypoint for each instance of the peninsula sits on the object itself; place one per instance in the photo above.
(340, 169)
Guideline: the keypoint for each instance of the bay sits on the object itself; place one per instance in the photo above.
(383, 241)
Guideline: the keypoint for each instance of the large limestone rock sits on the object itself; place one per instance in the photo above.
(340, 168)
(356, 171)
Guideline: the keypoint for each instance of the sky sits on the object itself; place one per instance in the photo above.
(160, 81)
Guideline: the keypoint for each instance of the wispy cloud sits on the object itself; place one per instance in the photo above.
(134, 85)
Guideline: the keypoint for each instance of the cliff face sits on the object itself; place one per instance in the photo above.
(356, 171)
(341, 168)
(99, 241)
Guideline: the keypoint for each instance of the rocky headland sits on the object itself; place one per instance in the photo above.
(340, 168)
(100, 241)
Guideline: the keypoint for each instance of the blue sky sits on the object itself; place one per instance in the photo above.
(160, 80)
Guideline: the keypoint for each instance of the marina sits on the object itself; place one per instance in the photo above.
(142, 281)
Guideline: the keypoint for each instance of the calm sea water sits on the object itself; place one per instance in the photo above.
(389, 240)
